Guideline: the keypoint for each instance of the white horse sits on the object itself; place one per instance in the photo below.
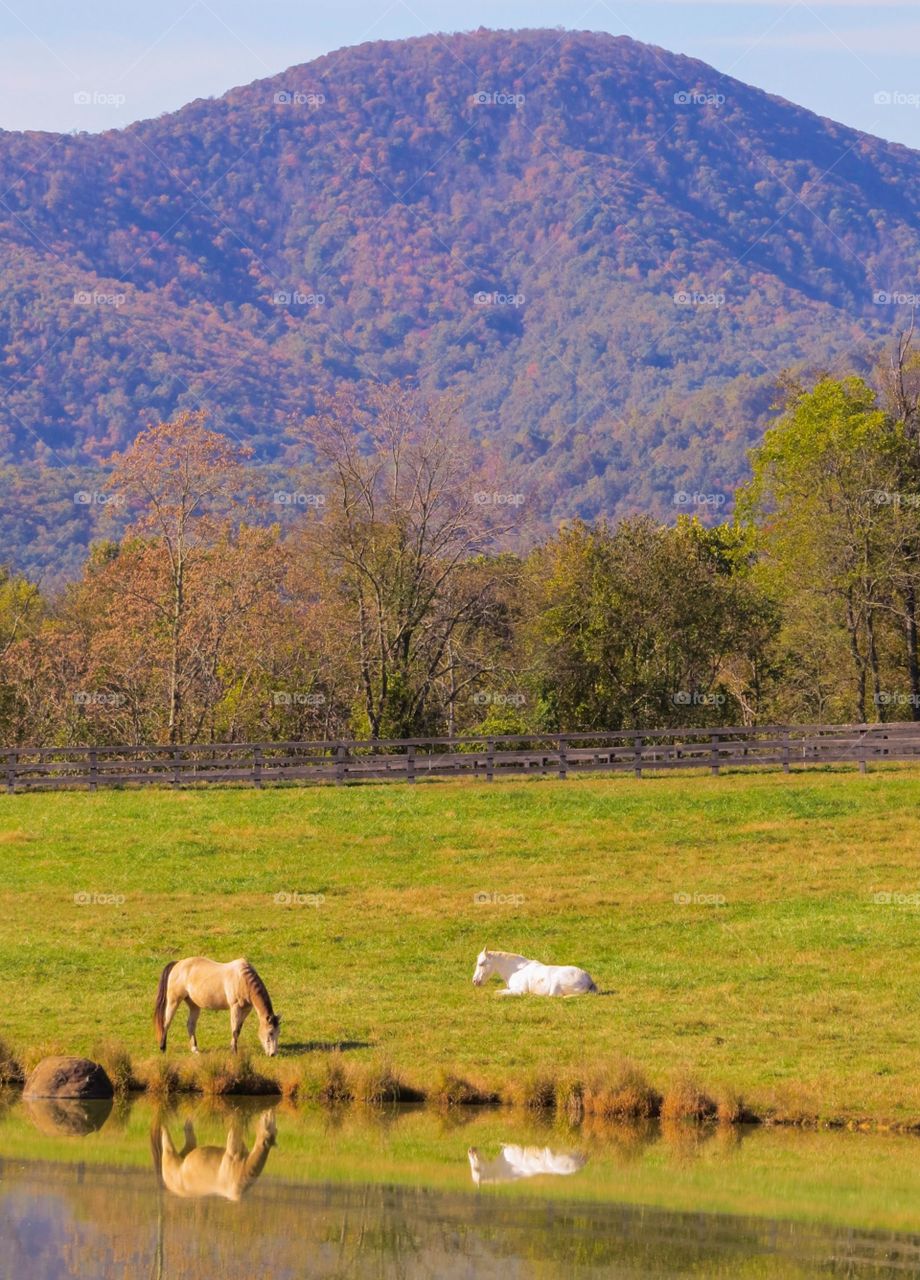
(522, 1162)
(525, 977)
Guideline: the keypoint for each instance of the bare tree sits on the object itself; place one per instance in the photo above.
(408, 514)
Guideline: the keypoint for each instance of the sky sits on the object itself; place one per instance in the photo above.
(98, 64)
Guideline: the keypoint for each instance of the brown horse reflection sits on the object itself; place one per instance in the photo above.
(227, 1171)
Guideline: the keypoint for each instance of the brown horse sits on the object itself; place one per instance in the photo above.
(227, 1171)
(206, 984)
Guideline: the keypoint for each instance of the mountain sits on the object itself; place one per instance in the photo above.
(610, 251)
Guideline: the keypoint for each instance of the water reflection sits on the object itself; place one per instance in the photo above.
(373, 1195)
(228, 1171)
(68, 1117)
(513, 1163)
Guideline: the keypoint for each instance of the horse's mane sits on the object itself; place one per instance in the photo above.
(258, 992)
(493, 952)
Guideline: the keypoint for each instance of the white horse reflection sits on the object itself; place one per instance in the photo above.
(227, 1171)
(516, 1162)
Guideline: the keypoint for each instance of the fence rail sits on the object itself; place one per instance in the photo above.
(409, 760)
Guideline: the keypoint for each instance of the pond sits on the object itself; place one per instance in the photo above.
(240, 1190)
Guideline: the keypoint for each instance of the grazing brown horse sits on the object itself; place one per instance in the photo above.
(227, 1171)
(206, 984)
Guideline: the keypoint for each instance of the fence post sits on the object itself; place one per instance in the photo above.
(340, 764)
(257, 766)
(93, 769)
(786, 751)
(490, 760)
(12, 759)
(177, 777)
(637, 754)
(410, 763)
(713, 753)
(563, 760)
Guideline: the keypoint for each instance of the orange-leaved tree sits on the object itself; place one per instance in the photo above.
(181, 482)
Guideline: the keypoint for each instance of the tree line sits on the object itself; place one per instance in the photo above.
(398, 601)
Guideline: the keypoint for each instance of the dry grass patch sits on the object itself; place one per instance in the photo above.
(685, 1100)
(116, 1061)
(11, 1070)
(619, 1091)
(452, 1090)
(159, 1077)
(218, 1075)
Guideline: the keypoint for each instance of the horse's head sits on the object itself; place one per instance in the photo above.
(268, 1034)
(485, 966)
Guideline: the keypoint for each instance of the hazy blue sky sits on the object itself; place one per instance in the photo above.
(135, 58)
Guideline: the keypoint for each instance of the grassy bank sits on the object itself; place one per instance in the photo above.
(737, 928)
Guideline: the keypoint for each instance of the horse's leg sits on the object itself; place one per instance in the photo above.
(238, 1014)
(235, 1146)
(171, 1007)
(193, 1012)
(191, 1142)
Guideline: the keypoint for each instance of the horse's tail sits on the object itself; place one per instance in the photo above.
(159, 1009)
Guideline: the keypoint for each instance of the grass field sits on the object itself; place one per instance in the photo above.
(734, 925)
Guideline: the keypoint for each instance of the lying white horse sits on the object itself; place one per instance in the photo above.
(525, 977)
(522, 1162)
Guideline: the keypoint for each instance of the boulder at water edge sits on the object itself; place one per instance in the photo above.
(65, 1077)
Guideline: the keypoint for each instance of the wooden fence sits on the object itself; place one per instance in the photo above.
(625, 751)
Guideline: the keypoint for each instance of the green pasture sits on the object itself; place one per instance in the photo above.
(757, 931)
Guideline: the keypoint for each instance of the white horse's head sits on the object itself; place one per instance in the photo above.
(268, 1034)
(485, 967)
